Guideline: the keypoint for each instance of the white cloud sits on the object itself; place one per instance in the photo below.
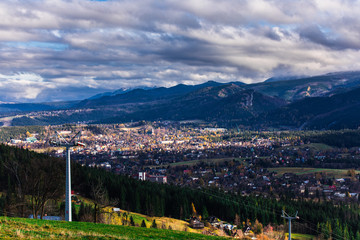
(22, 86)
(111, 44)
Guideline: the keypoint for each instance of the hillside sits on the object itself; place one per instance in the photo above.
(330, 112)
(19, 228)
(317, 86)
(145, 96)
(288, 89)
(122, 217)
(218, 103)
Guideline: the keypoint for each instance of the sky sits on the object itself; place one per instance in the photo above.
(54, 50)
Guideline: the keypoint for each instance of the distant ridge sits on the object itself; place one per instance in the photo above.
(284, 78)
(327, 101)
(147, 95)
(119, 91)
(221, 102)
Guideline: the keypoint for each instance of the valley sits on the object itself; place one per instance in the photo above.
(224, 149)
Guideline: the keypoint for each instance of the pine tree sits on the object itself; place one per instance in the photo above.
(205, 213)
(326, 230)
(132, 223)
(328, 227)
(338, 232)
(81, 211)
(143, 224)
(357, 237)
(75, 216)
(153, 225)
(346, 234)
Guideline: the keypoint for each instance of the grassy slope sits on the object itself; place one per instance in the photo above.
(18, 228)
(116, 219)
(298, 236)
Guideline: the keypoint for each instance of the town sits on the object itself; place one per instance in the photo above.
(201, 156)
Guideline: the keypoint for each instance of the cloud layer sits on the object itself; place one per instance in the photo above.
(72, 49)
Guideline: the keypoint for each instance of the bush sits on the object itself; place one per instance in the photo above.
(258, 227)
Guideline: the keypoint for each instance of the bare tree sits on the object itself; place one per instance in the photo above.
(39, 178)
(101, 200)
(45, 182)
(17, 171)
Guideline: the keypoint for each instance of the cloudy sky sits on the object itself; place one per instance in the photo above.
(71, 49)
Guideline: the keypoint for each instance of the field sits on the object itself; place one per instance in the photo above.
(194, 162)
(336, 173)
(317, 146)
(18, 228)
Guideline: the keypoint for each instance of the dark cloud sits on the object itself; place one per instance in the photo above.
(68, 93)
(327, 38)
(64, 49)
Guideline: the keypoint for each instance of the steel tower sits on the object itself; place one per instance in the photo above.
(61, 141)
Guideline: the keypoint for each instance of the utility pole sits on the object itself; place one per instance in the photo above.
(60, 141)
(286, 216)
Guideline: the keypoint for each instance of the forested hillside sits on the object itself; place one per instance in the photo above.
(166, 200)
(25, 174)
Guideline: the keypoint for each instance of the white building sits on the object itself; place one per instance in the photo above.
(142, 176)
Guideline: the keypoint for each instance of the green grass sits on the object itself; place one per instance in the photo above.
(337, 173)
(299, 236)
(317, 146)
(20, 228)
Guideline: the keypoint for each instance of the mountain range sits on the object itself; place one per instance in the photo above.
(330, 101)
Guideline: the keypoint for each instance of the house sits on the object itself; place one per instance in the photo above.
(15, 141)
(116, 209)
(340, 180)
(196, 223)
(142, 176)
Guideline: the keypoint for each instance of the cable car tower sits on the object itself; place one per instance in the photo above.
(289, 218)
(59, 140)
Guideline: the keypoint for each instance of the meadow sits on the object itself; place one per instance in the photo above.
(20, 228)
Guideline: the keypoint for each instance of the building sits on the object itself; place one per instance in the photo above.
(142, 176)
(157, 178)
(195, 223)
(15, 141)
(31, 139)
